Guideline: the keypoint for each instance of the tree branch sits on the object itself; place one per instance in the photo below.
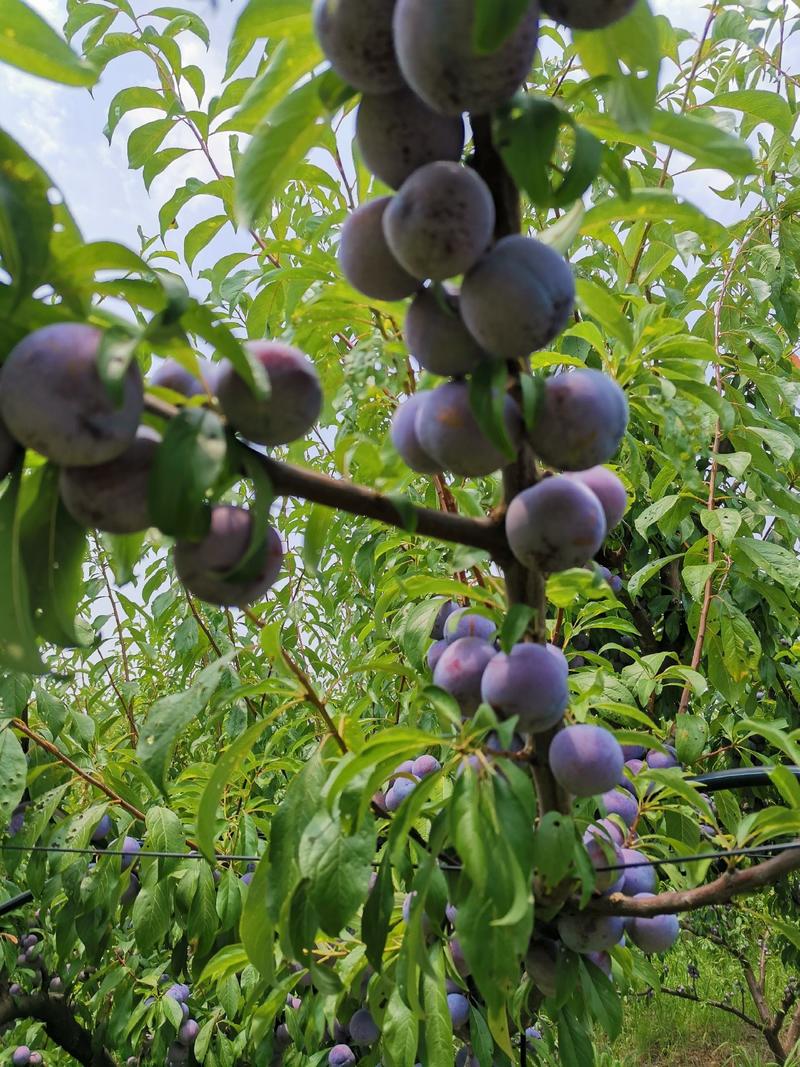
(60, 1024)
(685, 995)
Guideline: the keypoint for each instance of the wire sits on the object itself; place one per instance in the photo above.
(133, 856)
(755, 850)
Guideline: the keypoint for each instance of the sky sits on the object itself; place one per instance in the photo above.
(62, 128)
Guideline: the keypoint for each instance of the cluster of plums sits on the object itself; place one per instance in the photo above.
(53, 401)
(22, 1056)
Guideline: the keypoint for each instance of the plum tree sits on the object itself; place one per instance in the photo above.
(638, 880)
(363, 1028)
(436, 335)
(53, 400)
(448, 431)
(529, 681)
(172, 375)
(586, 932)
(656, 934)
(205, 566)
(365, 258)
(356, 37)
(609, 490)
(294, 401)
(113, 496)
(458, 1006)
(341, 1056)
(587, 14)
(437, 55)
(440, 221)
(556, 524)
(541, 964)
(460, 669)
(403, 432)
(585, 759)
(518, 297)
(464, 623)
(397, 133)
(581, 421)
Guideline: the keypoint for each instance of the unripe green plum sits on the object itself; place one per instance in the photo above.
(356, 37)
(404, 437)
(656, 934)
(518, 297)
(294, 401)
(587, 14)
(449, 432)
(611, 493)
(438, 58)
(460, 669)
(202, 566)
(581, 421)
(440, 222)
(53, 400)
(10, 451)
(585, 759)
(588, 932)
(637, 879)
(365, 258)
(363, 1028)
(540, 963)
(398, 133)
(554, 525)
(529, 681)
(437, 337)
(113, 496)
(174, 376)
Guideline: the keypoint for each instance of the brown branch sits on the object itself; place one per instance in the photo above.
(127, 705)
(48, 746)
(685, 995)
(202, 624)
(61, 1026)
(314, 698)
(793, 1033)
(720, 891)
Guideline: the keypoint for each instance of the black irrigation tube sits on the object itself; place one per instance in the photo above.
(738, 777)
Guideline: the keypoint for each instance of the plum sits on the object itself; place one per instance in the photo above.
(36, 1059)
(113, 496)
(408, 903)
(398, 133)
(440, 222)
(406, 767)
(173, 375)
(442, 615)
(436, 335)
(365, 258)
(604, 853)
(559, 657)
(460, 669)
(10, 451)
(102, 830)
(17, 820)
(631, 752)
(458, 1006)
(177, 1055)
(15, 989)
(202, 565)
(459, 959)
(581, 420)
(21, 1056)
(425, 765)
(397, 793)
(435, 653)
(187, 1035)
(179, 991)
(53, 400)
(657, 934)
(532, 1034)
(619, 802)
(518, 297)
(611, 493)
(530, 682)
(363, 1028)
(404, 436)
(130, 849)
(585, 759)
(341, 1056)
(56, 984)
(554, 525)
(356, 37)
(660, 761)
(131, 890)
(448, 430)
(601, 960)
(464, 623)
(437, 56)
(588, 932)
(637, 879)
(540, 963)
(294, 402)
(587, 14)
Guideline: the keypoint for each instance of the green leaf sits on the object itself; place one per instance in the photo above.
(515, 624)
(377, 914)
(131, 99)
(338, 866)
(759, 104)
(487, 398)
(708, 144)
(575, 1045)
(145, 141)
(316, 536)
(640, 578)
(779, 563)
(26, 217)
(188, 463)
(651, 205)
(400, 1033)
(741, 648)
(151, 916)
(554, 846)
(255, 927)
(495, 21)
(13, 773)
(604, 306)
(438, 1024)
(18, 647)
(29, 43)
(722, 523)
(199, 236)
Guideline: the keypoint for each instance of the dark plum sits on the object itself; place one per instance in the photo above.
(448, 431)
(187, 1035)
(518, 297)
(113, 496)
(437, 56)
(459, 959)
(530, 681)
(657, 934)
(131, 890)
(365, 258)
(10, 451)
(179, 991)
(581, 420)
(444, 612)
(341, 1056)
(464, 623)
(634, 752)
(398, 133)
(102, 830)
(356, 37)
(460, 669)
(540, 963)
(173, 375)
(202, 566)
(130, 850)
(609, 490)
(363, 1028)
(588, 932)
(21, 1056)
(556, 524)
(397, 793)
(585, 759)
(637, 879)
(53, 400)
(440, 222)
(587, 14)
(404, 437)
(294, 401)
(436, 335)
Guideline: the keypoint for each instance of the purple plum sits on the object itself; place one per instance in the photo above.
(464, 623)
(620, 802)
(130, 850)
(444, 612)
(588, 932)
(21, 1056)
(102, 830)
(458, 1005)
(531, 682)
(586, 759)
(555, 525)
(611, 493)
(540, 963)
(405, 439)
(460, 669)
(435, 653)
(341, 1056)
(660, 761)
(179, 991)
(187, 1035)
(459, 959)
(174, 376)
(356, 37)
(449, 432)
(657, 934)
(581, 420)
(436, 335)
(365, 259)
(605, 854)
(363, 1028)
(587, 14)
(425, 765)
(637, 879)
(397, 793)
(601, 960)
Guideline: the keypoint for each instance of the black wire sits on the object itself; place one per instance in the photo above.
(755, 850)
(133, 856)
